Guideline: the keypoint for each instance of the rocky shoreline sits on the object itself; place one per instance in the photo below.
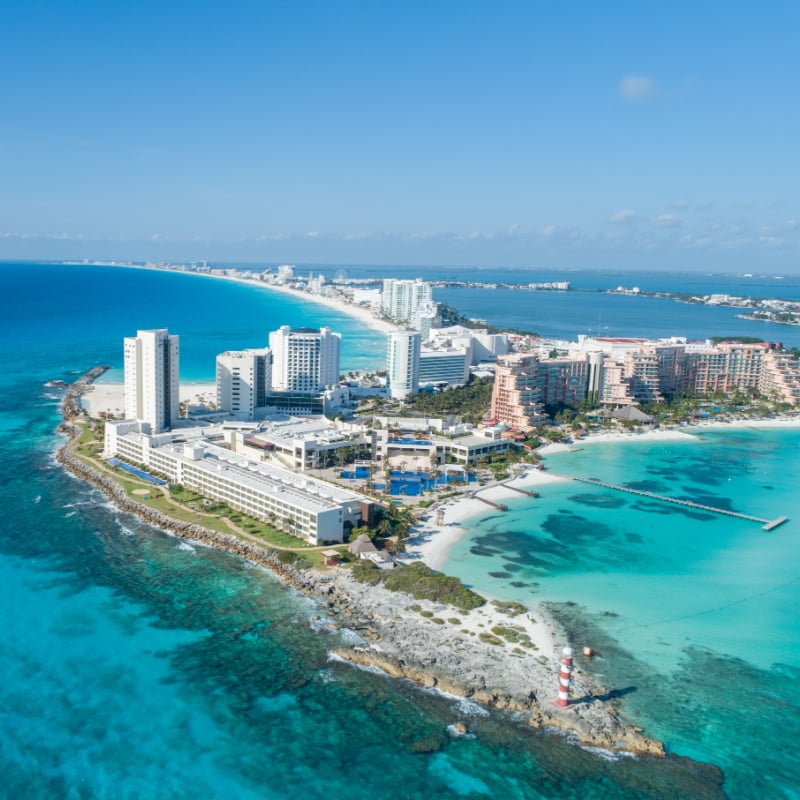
(394, 636)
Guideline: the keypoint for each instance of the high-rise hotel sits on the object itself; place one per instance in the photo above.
(244, 381)
(304, 359)
(152, 378)
(403, 299)
(402, 364)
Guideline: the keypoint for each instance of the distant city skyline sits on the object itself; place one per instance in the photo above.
(617, 136)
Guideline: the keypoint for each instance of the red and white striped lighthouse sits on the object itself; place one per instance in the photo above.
(564, 678)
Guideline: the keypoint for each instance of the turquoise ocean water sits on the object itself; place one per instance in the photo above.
(136, 665)
(694, 614)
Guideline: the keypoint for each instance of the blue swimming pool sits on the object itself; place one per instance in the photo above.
(415, 483)
(358, 473)
(145, 476)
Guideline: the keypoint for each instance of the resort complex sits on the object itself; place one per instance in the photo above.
(200, 459)
(354, 488)
(281, 412)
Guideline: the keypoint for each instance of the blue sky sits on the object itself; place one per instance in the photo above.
(538, 134)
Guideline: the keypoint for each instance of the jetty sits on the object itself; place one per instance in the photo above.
(526, 492)
(498, 506)
(767, 525)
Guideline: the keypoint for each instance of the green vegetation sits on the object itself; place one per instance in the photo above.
(489, 638)
(294, 558)
(420, 582)
(685, 406)
(366, 572)
(740, 339)
(510, 607)
(393, 527)
(184, 504)
(514, 635)
(452, 316)
(470, 402)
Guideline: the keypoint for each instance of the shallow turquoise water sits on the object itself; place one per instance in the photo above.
(697, 611)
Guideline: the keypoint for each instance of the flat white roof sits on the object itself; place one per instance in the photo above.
(303, 492)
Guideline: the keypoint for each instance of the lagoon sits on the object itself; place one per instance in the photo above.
(696, 613)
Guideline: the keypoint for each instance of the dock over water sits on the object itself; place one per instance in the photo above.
(767, 525)
(526, 492)
(498, 506)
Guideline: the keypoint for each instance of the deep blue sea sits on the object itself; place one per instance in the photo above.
(136, 665)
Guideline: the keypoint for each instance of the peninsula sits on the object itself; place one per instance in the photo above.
(430, 643)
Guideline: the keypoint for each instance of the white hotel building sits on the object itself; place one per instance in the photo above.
(314, 510)
(244, 381)
(304, 359)
(152, 382)
(403, 298)
(402, 363)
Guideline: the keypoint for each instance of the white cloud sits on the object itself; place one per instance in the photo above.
(636, 88)
(548, 230)
(695, 242)
(63, 237)
(667, 221)
(626, 215)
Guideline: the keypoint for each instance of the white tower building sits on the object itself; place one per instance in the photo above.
(285, 273)
(424, 317)
(402, 363)
(244, 380)
(152, 381)
(401, 299)
(304, 359)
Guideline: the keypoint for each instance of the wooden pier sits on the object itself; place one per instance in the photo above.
(767, 525)
(498, 506)
(521, 491)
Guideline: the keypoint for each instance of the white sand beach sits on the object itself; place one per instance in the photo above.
(672, 434)
(360, 313)
(659, 434)
(109, 398)
(431, 543)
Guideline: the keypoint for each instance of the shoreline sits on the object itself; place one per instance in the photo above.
(343, 307)
(99, 398)
(445, 650)
(431, 543)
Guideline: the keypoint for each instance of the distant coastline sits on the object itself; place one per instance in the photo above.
(349, 309)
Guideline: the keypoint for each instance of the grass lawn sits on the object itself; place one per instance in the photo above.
(193, 508)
